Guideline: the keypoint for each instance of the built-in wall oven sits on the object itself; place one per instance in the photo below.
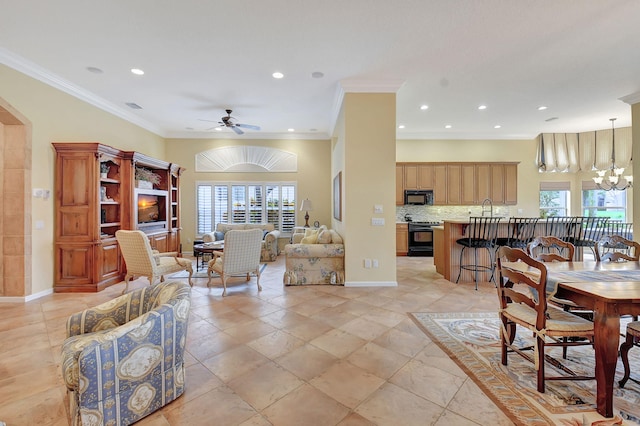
(421, 238)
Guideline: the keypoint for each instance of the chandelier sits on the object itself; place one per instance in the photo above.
(613, 174)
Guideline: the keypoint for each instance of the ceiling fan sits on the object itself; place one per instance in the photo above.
(229, 121)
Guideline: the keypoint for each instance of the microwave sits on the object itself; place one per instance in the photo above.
(418, 197)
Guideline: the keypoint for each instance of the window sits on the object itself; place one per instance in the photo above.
(554, 199)
(597, 202)
(246, 203)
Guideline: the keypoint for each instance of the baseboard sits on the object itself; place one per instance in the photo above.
(24, 299)
(371, 284)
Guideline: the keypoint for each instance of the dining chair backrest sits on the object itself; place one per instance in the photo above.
(551, 249)
(616, 248)
(534, 276)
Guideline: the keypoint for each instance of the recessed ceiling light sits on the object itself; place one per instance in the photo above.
(448, 126)
(277, 74)
(317, 74)
(401, 126)
(542, 108)
(137, 71)
(95, 70)
(423, 107)
(481, 107)
(218, 129)
(291, 130)
(497, 126)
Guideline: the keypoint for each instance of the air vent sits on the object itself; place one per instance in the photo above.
(551, 119)
(133, 105)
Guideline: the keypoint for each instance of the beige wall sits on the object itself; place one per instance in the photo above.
(369, 180)
(313, 178)
(57, 116)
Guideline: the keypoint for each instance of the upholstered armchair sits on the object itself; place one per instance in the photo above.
(123, 359)
(241, 256)
(269, 248)
(141, 260)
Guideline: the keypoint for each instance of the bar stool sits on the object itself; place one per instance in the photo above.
(481, 234)
(566, 228)
(591, 230)
(521, 231)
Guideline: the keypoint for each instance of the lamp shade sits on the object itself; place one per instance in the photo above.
(306, 205)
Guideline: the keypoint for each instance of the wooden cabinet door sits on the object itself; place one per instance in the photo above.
(483, 182)
(440, 184)
(402, 239)
(497, 183)
(468, 184)
(410, 176)
(425, 176)
(454, 184)
(159, 242)
(511, 184)
(399, 185)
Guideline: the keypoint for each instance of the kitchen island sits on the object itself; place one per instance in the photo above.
(446, 252)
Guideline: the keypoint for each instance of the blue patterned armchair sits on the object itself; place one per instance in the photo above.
(123, 359)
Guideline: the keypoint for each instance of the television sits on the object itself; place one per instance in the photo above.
(151, 209)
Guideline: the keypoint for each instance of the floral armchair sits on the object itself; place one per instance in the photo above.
(123, 359)
(317, 259)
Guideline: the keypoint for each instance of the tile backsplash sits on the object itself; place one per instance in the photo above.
(440, 213)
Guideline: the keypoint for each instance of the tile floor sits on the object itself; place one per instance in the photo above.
(312, 355)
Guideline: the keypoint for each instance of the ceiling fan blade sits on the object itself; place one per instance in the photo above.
(248, 126)
(238, 131)
(210, 121)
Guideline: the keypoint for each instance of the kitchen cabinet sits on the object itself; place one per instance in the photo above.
(402, 239)
(468, 190)
(511, 184)
(460, 183)
(418, 176)
(440, 184)
(454, 194)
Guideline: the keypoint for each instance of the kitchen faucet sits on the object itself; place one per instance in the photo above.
(484, 206)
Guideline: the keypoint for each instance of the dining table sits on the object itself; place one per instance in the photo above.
(610, 289)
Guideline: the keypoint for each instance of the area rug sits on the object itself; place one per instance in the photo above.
(472, 341)
(202, 273)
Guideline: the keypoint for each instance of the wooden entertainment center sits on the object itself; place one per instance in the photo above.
(96, 194)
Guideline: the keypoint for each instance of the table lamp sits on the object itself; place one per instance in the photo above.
(307, 207)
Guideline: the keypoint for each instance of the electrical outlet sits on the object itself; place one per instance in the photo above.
(367, 263)
(377, 221)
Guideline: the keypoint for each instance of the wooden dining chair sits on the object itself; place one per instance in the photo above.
(554, 243)
(550, 326)
(616, 248)
(632, 338)
(551, 249)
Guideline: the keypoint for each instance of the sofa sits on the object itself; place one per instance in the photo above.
(270, 249)
(317, 257)
(124, 359)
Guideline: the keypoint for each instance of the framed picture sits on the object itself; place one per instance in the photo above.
(337, 196)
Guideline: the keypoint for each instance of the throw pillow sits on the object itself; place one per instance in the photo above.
(324, 237)
(310, 236)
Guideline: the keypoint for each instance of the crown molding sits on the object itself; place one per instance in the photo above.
(32, 70)
(631, 99)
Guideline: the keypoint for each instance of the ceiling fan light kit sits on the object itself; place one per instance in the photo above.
(229, 121)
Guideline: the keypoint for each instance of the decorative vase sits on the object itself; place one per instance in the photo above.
(103, 175)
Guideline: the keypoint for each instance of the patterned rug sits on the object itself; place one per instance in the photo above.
(472, 341)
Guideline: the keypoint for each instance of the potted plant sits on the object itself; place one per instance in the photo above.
(104, 169)
(145, 178)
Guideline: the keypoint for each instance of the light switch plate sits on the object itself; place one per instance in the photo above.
(378, 209)
(377, 221)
